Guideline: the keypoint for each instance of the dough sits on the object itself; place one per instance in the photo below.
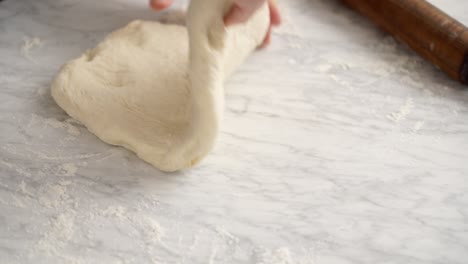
(158, 89)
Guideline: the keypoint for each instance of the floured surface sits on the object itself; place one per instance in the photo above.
(338, 146)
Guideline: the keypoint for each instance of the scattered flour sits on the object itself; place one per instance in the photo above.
(214, 252)
(418, 126)
(18, 202)
(72, 260)
(68, 124)
(65, 183)
(292, 61)
(278, 256)
(61, 228)
(341, 82)
(428, 92)
(404, 111)
(53, 196)
(17, 169)
(68, 169)
(154, 231)
(226, 235)
(290, 32)
(294, 44)
(324, 68)
(115, 211)
(30, 43)
(64, 226)
(71, 129)
(42, 91)
(288, 28)
(54, 123)
(327, 68)
(22, 188)
(345, 66)
(61, 231)
(45, 156)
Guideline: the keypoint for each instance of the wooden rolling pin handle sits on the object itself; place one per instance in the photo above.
(464, 70)
(426, 29)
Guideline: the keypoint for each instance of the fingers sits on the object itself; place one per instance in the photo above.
(275, 15)
(160, 4)
(241, 11)
(237, 15)
(275, 20)
(267, 39)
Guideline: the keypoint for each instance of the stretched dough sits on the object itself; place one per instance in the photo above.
(158, 89)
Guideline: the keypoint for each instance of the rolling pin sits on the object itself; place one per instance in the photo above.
(426, 29)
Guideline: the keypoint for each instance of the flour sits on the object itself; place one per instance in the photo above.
(62, 229)
(294, 44)
(323, 68)
(153, 230)
(18, 202)
(72, 130)
(428, 93)
(115, 211)
(42, 91)
(67, 125)
(61, 158)
(418, 126)
(230, 238)
(65, 183)
(278, 256)
(64, 226)
(341, 82)
(14, 167)
(53, 196)
(22, 187)
(392, 59)
(345, 66)
(290, 32)
(53, 123)
(72, 260)
(214, 252)
(292, 61)
(29, 44)
(68, 169)
(404, 111)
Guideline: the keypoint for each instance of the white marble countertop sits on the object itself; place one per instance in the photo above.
(338, 146)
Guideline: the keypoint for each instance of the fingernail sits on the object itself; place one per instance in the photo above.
(160, 4)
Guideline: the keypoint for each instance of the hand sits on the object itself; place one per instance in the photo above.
(240, 12)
